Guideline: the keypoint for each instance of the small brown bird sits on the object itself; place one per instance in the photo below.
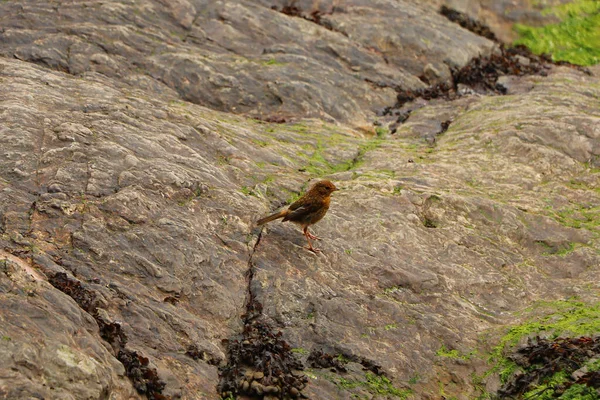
(307, 210)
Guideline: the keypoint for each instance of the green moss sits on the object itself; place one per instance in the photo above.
(507, 369)
(179, 103)
(292, 197)
(341, 358)
(370, 331)
(545, 390)
(580, 392)
(575, 184)
(375, 384)
(348, 384)
(594, 365)
(381, 131)
(319, 166)
(568, 249)
(364, 149)
(313, 145)
(382, 385)
(392, 290)
(590, 166)
(260, 143)
(443, 394)
(310, 373)
(575, 39)
(299, 350)
(578, 217)
(479, 385)
(472, 182)
(562, 317)
(297, 127)
(454, 354)
(272, 62)
(248, 191)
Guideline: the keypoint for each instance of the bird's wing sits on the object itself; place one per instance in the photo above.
(302, 210)
(297, 204)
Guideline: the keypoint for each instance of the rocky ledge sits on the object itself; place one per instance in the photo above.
(141, 140)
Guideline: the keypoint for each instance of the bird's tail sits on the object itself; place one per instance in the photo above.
(270, 218)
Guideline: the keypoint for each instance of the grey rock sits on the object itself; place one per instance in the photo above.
(436, 73)
(214, 55)
(111, 175)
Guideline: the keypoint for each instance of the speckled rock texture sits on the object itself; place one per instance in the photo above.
(136, 154)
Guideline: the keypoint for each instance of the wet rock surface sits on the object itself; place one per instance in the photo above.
(140, 142)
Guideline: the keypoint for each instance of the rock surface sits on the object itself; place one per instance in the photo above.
(132, 173)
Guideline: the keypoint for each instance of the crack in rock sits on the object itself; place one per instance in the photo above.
(314, 16)
(468, 23)
(144, 378)
(260, 363)
(321, 359)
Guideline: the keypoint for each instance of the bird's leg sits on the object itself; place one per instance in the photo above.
(305, 230)
(310, 235)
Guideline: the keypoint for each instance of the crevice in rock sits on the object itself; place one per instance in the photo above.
(38, 153)
(69, 59)
(445, 125)
(144, 378)
(315, 16)
(481, 75)
(259, 362)
(31, 213)
(196, 353)
(43, 62)
(189, 31)
(319, 358)
(88, 176)
(428, 217)
(468, 23)
(402, 117)
(273, 118)
(250, 264)
(429, 223)
(431, 137)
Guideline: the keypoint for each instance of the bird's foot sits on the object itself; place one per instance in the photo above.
(316, 251)
(311, 236)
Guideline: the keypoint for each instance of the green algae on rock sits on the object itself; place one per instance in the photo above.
(575, 39)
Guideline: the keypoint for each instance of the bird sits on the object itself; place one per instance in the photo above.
(307, 210)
